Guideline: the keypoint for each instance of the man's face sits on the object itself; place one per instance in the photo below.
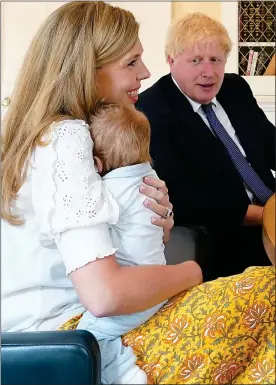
(199, 71)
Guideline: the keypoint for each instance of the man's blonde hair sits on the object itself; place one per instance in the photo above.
(193, 30)
(57, 81)
(121, 136)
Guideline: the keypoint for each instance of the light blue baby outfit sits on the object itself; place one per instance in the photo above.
(139, 242)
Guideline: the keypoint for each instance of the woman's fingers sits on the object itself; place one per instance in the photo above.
(158, 195)
(167, 225)
(157, 190)
(157, 183)
(162, 189)
(165, 201)
(157, 208)
(162, 222)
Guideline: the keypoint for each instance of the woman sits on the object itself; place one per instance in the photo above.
(56, 247)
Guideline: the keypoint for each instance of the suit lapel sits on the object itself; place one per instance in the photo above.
(240, 123)
(227, 100)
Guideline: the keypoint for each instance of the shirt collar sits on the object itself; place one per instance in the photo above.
(129, 171)
(196, 106)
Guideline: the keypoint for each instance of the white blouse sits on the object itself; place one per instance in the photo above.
(66, 208)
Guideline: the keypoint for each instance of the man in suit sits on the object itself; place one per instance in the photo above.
(213, 146)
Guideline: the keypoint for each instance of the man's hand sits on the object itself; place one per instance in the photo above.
(254, 216)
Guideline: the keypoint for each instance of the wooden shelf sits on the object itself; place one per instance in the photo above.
(256, 44)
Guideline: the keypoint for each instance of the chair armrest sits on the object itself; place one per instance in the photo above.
(186, 243)
(50, 358)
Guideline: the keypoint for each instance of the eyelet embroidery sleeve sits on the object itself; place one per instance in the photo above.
(70, 198)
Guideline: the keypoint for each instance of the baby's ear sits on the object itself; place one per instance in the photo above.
(98, 164)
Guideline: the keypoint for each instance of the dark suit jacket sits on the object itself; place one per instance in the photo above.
(203, 184)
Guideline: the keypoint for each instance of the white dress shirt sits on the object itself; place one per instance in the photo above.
(224, 120)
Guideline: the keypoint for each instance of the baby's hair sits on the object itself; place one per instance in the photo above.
(121, 136)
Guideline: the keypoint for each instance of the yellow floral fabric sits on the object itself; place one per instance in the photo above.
(71, 324)
(221, 332)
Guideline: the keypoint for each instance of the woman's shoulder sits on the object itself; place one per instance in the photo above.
(63, 138)
(69, 127)
(67, 130)
(70, 123)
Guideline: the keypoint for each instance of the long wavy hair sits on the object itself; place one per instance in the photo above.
(57, 81)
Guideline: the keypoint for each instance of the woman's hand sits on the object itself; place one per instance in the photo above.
(157, 190)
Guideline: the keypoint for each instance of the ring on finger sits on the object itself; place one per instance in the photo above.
(168, 213)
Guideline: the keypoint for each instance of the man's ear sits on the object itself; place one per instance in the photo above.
(170, 61)
(98, 164)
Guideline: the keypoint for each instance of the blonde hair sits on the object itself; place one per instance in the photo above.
(121, 136)
(193, 30)
(57, 80)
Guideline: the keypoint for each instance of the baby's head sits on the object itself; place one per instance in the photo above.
(121, 136)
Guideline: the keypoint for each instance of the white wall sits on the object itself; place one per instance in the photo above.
(210, 8)
(154, 19)
(20, 20)
(19, 23)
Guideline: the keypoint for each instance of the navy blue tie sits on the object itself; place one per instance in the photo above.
(248, 174)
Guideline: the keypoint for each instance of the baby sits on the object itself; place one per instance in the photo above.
(121, 137)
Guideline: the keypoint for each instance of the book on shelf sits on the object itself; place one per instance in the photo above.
(262, 59)
(249, 63)
(254, 63)
(257, 21)
(242, 65)
(262, 12)
(244, 19)
(269, 16)
(251, 24)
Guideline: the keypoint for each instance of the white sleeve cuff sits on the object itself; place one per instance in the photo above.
(83, 245)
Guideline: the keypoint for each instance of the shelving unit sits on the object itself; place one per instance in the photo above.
(263, 87)
(257, 24)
